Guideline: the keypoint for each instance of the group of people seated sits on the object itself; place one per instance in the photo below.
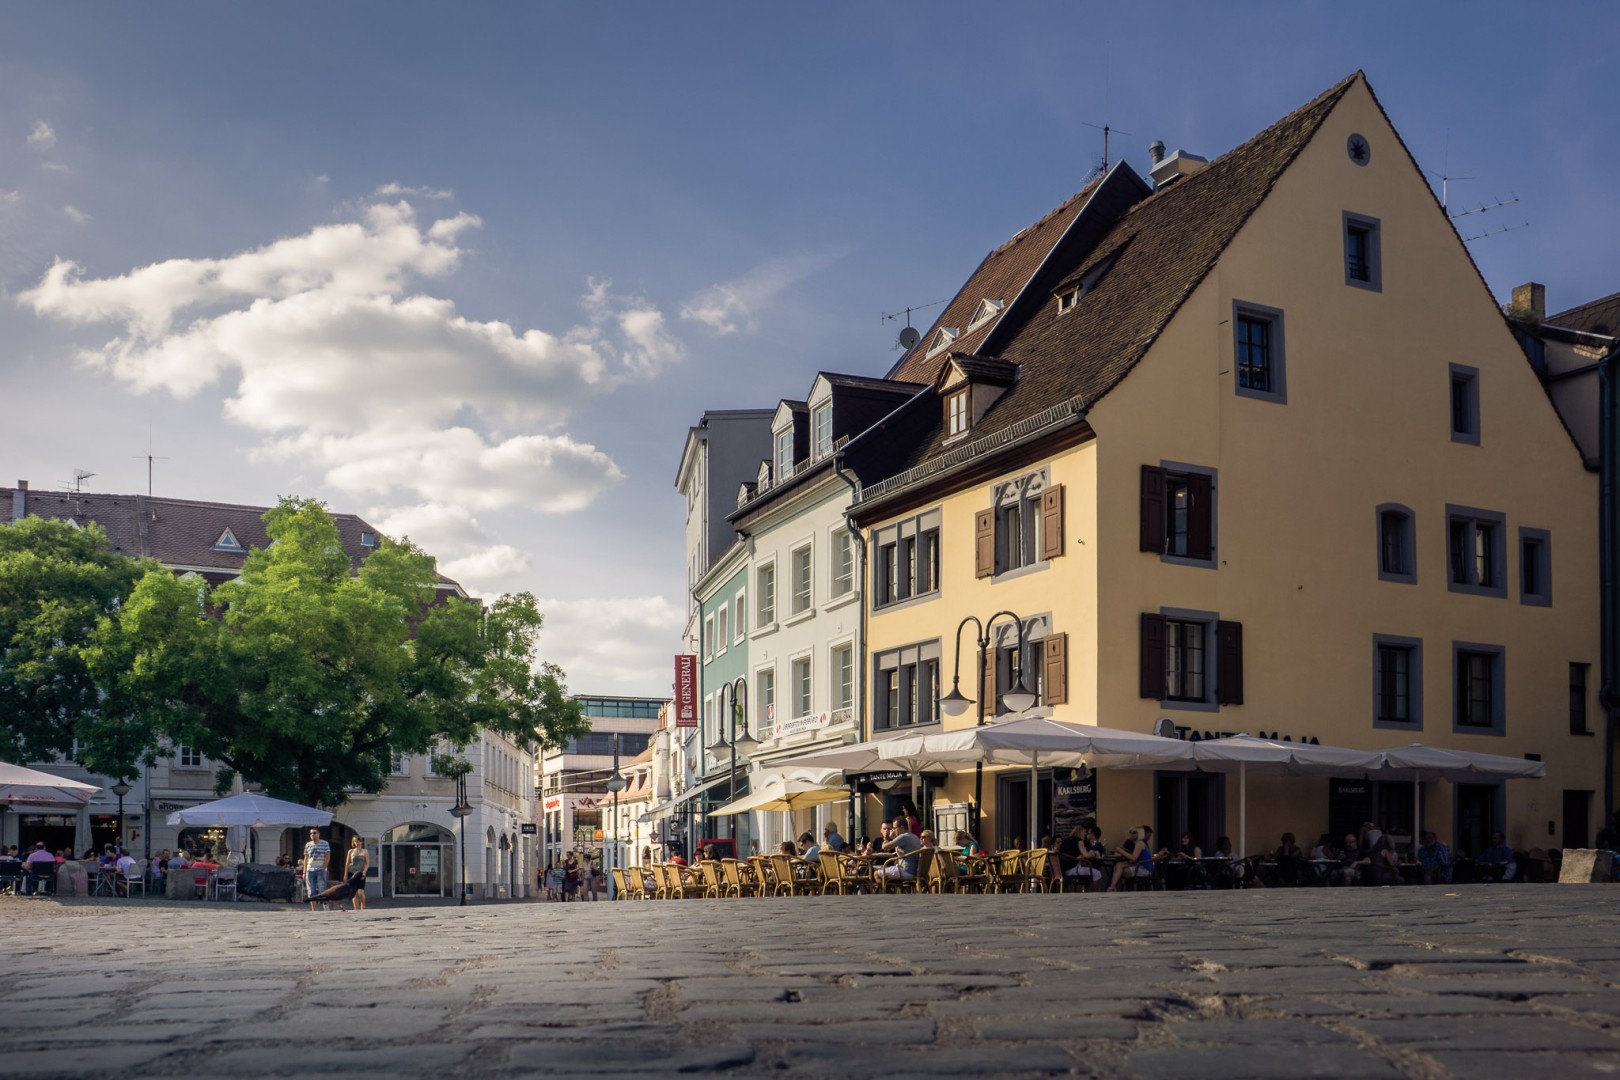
(37, 871)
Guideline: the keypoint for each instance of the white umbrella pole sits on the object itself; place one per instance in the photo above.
(1034, 797)
(1243, 809)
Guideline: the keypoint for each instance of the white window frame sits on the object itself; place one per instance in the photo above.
(739, 618)
(186, 757)
(802, 673)
(708, 637)
(802, 564)
(841, 669)
(782, 441)
(722, 629)
(765, 699)
(821, 437)
(765, 596)
(843, 562)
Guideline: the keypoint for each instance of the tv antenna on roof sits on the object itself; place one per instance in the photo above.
(149, 456)
(79, 477)
(1106, 130)
(910, 335)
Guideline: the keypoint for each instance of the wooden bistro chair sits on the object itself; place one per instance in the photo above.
(1005, 869)
(841, 874)
(945, 876)
(1035, 873)
(621, 888)
(897, 883)
(644, 882)
(714, 886)
(791, 876)
(739, 880)
(976, 878)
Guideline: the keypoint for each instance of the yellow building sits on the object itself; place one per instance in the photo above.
(1246, 448)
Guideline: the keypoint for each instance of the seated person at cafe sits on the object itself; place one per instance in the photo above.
(1379, 864)
(1496, 862)
(1231, 872)
(1136, 857)
(1435, 858)
(928, 839)
(786, 848)
(904, 842)
(1184, 868)
(809, 850)
(125, 867)
(1350, 857)
(1290, 859)
(970, 847)
(831, 840)
(1070, 854)
(1324, 849)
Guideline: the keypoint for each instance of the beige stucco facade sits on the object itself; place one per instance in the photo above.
(1366, 422)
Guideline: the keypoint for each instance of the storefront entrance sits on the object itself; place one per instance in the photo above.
(417, 861)
(1012, 809)
(1188, 802)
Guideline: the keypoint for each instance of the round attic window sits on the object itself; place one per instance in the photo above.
(1358, 149)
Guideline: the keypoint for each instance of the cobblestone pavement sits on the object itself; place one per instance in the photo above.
(1478, 982)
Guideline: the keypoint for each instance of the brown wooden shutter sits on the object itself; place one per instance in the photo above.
(1153, 509)
(1200, 517)
(987, 682)
(984, 543)
(1052, 522)
(1055, 676)
(1152, 656)
(1228, 663)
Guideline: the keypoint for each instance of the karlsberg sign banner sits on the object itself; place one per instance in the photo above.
(686, 690)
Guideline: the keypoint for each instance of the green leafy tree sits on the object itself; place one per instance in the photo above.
(57, 582)
(310, 678)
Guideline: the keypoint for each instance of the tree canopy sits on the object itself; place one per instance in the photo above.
(311, 678)
(57, 583)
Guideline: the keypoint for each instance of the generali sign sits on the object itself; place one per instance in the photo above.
(686, 690)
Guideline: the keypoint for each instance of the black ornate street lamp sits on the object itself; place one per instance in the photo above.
(120, 789)
(738, 744)
(1017, 699)
(616, 783)
(460, 812)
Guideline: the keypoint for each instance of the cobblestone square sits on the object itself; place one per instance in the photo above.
(1475, 981)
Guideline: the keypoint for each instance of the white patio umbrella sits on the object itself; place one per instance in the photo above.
(1423, 763)
(1032, 741)
(249, 808)
(780, 793)
(30, 787)
(1243, 754)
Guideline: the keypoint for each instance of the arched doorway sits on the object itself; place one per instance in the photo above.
(417, 859)
(492, 878)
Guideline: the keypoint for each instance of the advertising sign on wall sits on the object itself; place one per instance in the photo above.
(686, 690)
(1074, 801)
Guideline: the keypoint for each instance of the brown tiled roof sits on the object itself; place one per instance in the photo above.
(1000, 277)
(1165, 245)
(1600, 316)
(984, 369)
(179, 533)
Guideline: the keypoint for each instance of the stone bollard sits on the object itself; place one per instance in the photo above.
(1584, 866)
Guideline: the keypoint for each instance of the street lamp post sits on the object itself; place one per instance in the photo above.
(120, 789)
(460, 812)
(615, 784)
(1017, 699)
(737, 744)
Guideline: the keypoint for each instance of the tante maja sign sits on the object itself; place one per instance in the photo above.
(686, 690)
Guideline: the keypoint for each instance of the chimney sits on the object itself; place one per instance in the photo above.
(1167, 170)
(1530, 300)
(19, 501)
(1156, 152)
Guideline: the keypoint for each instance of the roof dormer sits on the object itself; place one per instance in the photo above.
(228, 542)
(762, 478)
(790, 439)
(1070, 293)
(942, 339)
(968, 386)
(987, 310)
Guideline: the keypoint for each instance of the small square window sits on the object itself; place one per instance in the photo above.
(1465, 404)
(368, 539)
(1258, 355)
(1475, 556)
(1362, 265)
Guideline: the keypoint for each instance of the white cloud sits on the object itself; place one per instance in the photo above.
(328, 347)
(734, 306)
(75, 215)
(54, 166)
(610, 644)
(42, 136)
(9, 198)
(396, 189)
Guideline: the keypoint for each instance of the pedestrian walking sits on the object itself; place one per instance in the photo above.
(359, 863)
(317, 856)
(570, 876)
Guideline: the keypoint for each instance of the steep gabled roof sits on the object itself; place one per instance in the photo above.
(1000, 277)
(1601, 316)
(1163, 246)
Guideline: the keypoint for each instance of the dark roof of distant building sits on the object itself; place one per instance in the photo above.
(182, 534)
(1601, 316)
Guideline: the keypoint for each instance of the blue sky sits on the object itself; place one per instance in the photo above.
(472, 270)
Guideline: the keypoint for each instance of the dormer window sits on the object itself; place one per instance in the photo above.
(784, 454)
(956, 413)
(1068, 299)
(942, 339)
(987, 310)
(1069, 296)
(227, 542)
(368, 539)
(762, 479)
(821, 434)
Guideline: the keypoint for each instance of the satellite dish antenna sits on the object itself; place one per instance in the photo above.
(909, 337)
